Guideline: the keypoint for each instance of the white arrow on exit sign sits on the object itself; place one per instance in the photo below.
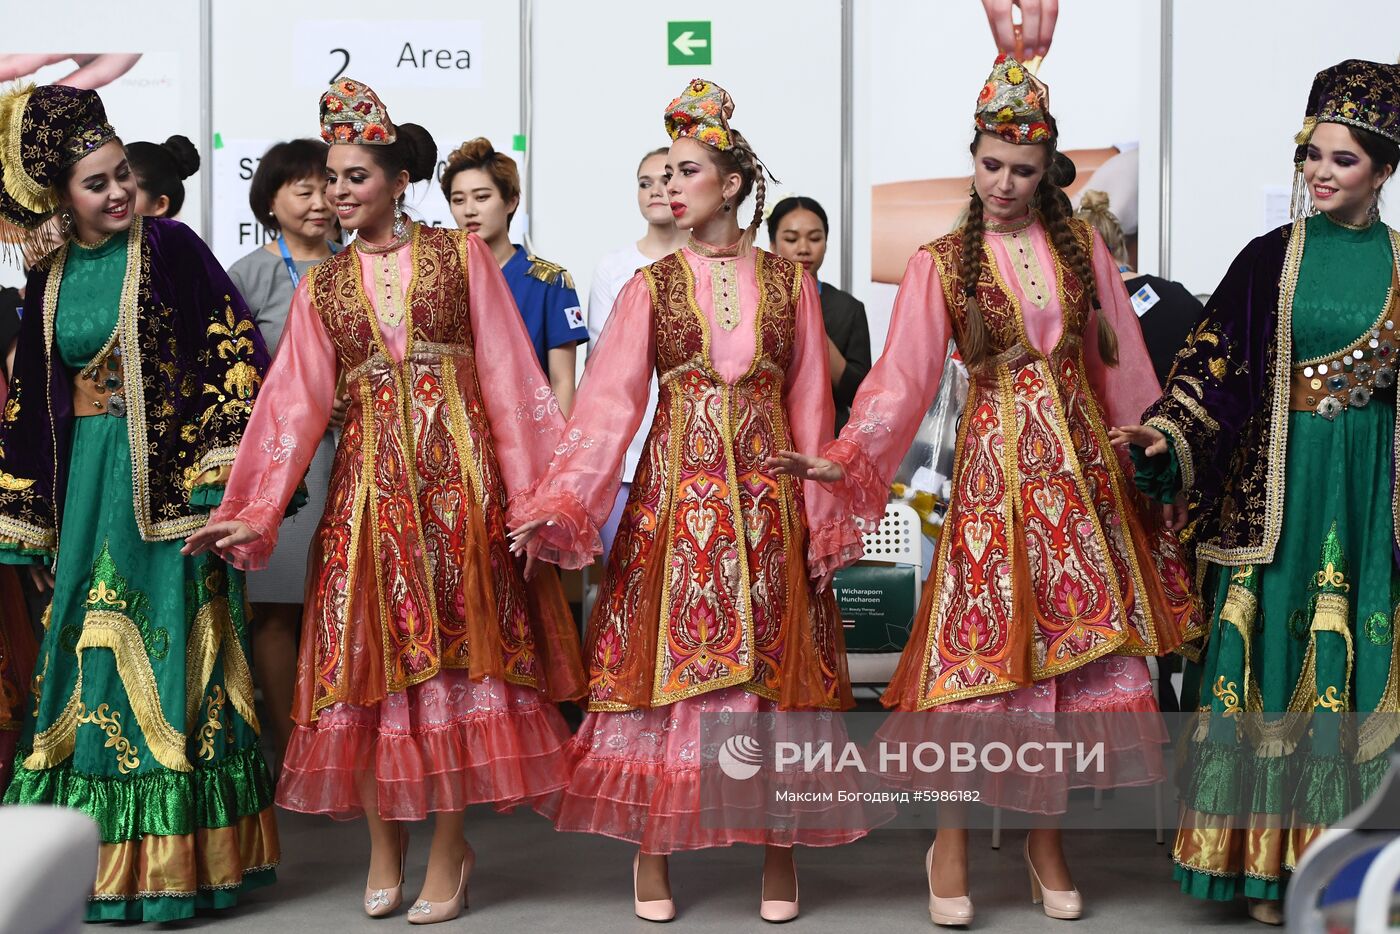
(686, 43)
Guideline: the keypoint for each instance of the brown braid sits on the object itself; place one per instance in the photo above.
(972, 343)
(742, 160)
(1055, 213)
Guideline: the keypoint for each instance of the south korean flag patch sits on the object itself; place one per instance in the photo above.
(575, 317)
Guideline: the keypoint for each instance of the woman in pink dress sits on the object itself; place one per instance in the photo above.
(429, 657)
(1053, 579)
(707, 606)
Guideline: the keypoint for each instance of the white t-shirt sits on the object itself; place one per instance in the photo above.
(613, 272)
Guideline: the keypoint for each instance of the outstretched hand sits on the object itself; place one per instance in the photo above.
(217, 536)
(1152, 441)
(804, 467)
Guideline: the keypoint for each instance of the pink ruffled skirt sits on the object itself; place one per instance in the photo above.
(637, 776)
(442, 745)
(1109, 702)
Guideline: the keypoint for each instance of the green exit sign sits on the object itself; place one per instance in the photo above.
(688, 43)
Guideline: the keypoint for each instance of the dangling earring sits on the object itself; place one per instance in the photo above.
(726, 207)
(398, 218)
(1374, 213)
(65, 223)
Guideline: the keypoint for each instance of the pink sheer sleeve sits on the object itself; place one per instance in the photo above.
(811, 413)
(1124, 391)
(524, 415)
(290, 417)
(577, 493)
(896, 393)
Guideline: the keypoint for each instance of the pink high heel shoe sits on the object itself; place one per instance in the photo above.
(778, 912)
(1066, 905)
(658, 909)
(426, 912)
(380, 903)
(947, 912)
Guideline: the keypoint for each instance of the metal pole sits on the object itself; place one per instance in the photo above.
(526, 117)
(1164, 207)
(848, 17)
(206, 120)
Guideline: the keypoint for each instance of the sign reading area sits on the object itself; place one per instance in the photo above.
(390, 53)
(688, 43)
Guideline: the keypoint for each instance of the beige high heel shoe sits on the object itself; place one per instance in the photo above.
(1066, 905)
(426, 912)
(380, 903)
(657, 909)
(778, 912)
(948, 912)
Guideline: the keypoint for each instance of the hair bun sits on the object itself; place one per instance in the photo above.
(183, 153)
(1094, 201)
(420, 150)
(474, 151)
(1062, 172)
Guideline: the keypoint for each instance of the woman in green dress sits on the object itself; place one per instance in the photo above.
(1276, 437)
(135, 375)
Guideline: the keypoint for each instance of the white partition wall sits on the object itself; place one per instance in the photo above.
(454, 68)
(1240, 81)
(601, 85)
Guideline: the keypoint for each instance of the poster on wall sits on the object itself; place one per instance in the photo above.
(456, 75)
(913, 161)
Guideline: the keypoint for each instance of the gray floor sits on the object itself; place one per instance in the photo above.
(531, 878)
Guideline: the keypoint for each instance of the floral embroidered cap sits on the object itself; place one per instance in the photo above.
(702, 113)
(1014, 104)
(43, 131)
(352, 113)
(1358, 93)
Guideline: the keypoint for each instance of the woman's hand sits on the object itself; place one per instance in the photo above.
(520, 538)
(42, 577)
(803, 467)
(1152, 441)
(218, 536)
(338, 410)
(824, 582)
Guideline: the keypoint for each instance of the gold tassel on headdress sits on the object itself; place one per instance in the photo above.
(30, 195)
(1300, 204)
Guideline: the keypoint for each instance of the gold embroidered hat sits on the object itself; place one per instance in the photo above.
(1358, 93)
(352, 113)
(43, 131)
(1014, 104)
(702, 112)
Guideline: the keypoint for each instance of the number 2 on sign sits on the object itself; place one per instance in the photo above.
(343, 65)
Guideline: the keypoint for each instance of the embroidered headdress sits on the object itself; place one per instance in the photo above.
(702, 113)
(43, 131)
(352, 113)
(1014, 104)
(1357, 93)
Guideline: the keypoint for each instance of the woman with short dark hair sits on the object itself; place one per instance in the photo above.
(288, 197)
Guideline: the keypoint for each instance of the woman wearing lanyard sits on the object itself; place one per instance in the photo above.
(288, 197)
